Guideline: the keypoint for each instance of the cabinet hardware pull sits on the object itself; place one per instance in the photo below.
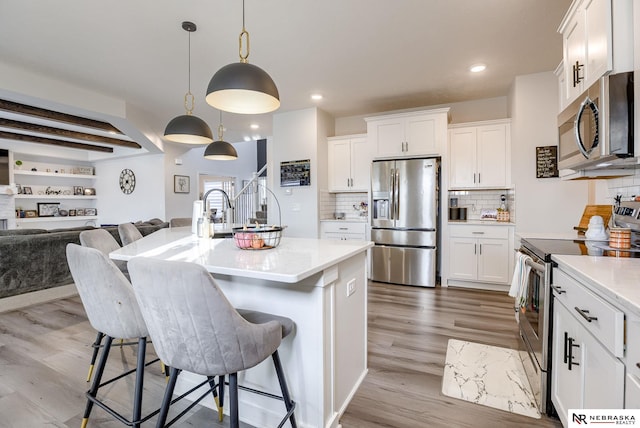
(474, 178)
(585, 314)
(478, 178)
(558, 289)
(475, 248)
(343, 228)
(638, 365)
(478, 233)
(480, 249)
(565, 354)
(570, 357)
(576, 74)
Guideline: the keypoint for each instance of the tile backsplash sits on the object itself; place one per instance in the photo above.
(477, 200)
(351, 204)
(628, 187)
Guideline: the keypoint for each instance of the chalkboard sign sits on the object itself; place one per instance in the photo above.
(546, 161)
(295, 173)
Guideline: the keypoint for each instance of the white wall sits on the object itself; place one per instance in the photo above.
(299, 135)
(465, 111)
(542, 204)
(145, 202)
(193, 164)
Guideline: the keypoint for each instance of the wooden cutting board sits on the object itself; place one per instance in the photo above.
(603, 211)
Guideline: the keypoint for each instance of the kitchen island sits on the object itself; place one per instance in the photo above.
(320, 284)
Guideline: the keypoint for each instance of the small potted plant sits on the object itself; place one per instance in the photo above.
(18, 164)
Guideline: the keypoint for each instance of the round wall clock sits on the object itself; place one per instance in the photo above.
(127, 181)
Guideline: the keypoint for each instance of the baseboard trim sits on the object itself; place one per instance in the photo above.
(36, 297)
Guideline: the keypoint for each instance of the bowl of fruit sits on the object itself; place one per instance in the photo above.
(258, 237)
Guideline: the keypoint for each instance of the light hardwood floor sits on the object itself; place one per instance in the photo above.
(44, 351)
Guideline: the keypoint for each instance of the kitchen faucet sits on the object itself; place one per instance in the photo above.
(226, 197)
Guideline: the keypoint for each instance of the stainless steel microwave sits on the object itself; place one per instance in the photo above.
(597, 128)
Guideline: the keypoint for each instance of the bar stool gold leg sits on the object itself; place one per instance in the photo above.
(90, 373)
(84, 422)
(162, 368)
(220, 413)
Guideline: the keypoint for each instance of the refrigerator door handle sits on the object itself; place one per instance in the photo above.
(392, 185)
(397, 215)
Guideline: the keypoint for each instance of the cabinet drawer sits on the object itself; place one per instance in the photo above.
(344, 227)
(473, 231)
(607, 322)
(632, 356)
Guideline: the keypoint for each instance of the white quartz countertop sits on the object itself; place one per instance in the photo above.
(293, 260)
(478, 222)
(551, 235)
(615, 278)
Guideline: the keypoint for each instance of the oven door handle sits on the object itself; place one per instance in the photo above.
(536, 266)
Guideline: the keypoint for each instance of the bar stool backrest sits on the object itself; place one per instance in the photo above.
(192, 324)
(103, 241)
(106, 294)
(128, 233)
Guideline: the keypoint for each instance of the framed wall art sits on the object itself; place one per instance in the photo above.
(78, 190)
(48, 209)
(181, 184)
(295, 173)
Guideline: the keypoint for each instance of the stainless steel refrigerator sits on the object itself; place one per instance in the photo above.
(404, 222)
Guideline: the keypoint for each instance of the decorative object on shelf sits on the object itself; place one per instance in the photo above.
(50, 191)
(242, 87)
(127, 181)
(72, 213)
(30, 214)
(63, 213)
(82, 170)
(181, 184)
(48, 209)
(90, 191)
(19, 189)
(90, 211)
(27, 190)
(18, 164)
(34, 169)
(220, 149)
(80, 211)
(78, 190)
(187, 128)
(488, 214)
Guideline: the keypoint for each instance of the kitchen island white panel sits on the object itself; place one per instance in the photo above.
(320, 284)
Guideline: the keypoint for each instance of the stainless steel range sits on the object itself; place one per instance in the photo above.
(535, 315)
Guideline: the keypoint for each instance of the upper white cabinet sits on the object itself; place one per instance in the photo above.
(408, 134)
(349, 163)
(597, 39)
(479, 155)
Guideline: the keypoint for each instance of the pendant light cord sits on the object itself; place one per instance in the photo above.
(189, 99)
(244, 32)
(220, 128)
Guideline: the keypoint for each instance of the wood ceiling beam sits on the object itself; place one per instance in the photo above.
(53, 142)
(57, 116)
(42, 129)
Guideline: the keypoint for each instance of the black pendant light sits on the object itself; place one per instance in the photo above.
(242, 87)
(220, 149)
(187, 128)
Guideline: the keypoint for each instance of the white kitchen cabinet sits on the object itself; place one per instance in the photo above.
(422, 133)
(343, 230)
(479, 253)
(632, 363)
(597, 39)
(587, 335)
(349, 163)
(479, 155)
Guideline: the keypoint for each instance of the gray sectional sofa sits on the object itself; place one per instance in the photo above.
(35, 259)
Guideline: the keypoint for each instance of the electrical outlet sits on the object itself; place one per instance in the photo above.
(351, 287)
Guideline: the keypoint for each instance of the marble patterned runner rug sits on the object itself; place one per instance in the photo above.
(488, 375)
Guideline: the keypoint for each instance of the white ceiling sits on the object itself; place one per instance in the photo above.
(364, 56)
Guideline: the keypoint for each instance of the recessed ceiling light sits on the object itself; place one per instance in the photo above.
(316, 97)
(477, 68)
(247, 138)
(254, 126)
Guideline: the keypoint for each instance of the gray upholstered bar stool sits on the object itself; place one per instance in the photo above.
(128, 233)
(195, 328)
(103, 241)
(111, 308)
